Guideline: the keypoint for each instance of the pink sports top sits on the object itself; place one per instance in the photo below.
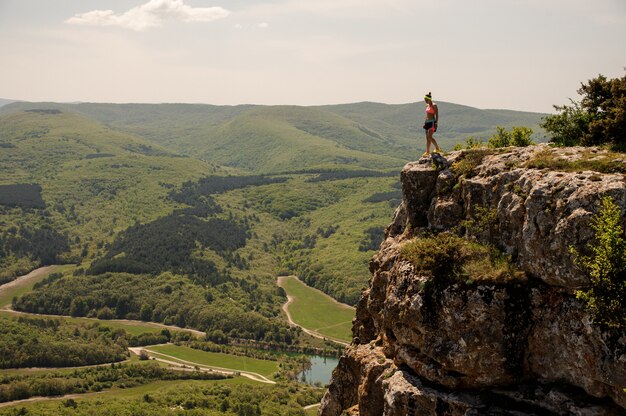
(430, 110)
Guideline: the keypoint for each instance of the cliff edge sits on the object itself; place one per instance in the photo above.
(515, 342)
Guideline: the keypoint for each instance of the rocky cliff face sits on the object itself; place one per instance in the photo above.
(523, 346)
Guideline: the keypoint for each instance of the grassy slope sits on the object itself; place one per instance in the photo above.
(215, 359)
(269, 140)
(339, 268)
(126, 396)
(315, 310)
(404, 121)
(7, 293)
(107, 194)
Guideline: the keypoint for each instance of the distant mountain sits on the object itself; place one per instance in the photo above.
(279, 138)
(4, 101)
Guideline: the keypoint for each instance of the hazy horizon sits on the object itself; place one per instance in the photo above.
(255, 104)
(522, 55)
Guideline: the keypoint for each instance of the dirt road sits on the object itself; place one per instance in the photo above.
(307, 330)
(203, 367)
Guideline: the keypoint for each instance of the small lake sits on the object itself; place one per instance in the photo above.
(320, 371)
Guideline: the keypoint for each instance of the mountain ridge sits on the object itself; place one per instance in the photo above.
(270, 138)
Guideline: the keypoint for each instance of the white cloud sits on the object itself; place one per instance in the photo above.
(263, 25)
(150, 14)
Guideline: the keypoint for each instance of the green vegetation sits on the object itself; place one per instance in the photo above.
(164, 238)
(598, 119)
(373, 238)
(215, 359)
(94, 379)
(131, 330)
(234, 397)
(309, 229)
(317, 311)
(16, 289)
(470, 143)
(518, 136)
(42, 342)
(87, 200)
(602, 161)
(287, 138)
(469, 160)
(164, 298)
(167, 244)
(606, 268)
(447, 259)
(42, 246)
(21, 195)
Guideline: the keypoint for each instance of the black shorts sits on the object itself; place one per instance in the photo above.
(429, 124)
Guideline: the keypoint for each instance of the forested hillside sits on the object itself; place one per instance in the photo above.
(111, 193)
(185, 215)
(278, 138)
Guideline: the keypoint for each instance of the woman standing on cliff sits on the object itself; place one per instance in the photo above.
(430, 125)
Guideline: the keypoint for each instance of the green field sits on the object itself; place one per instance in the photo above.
(7, 293)
(50, 405)
(316, 311)
(214, 359)
(312, 412)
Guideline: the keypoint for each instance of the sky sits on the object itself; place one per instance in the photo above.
(523, 55)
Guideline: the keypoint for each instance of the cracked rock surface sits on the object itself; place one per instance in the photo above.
(520, 347)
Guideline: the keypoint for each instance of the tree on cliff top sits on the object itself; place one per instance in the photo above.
(606, 268)
(598, 119)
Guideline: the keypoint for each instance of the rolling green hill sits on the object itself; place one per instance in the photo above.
(280, 138)
(185, 215)
(72, 181)
(88, 172)
(403, 122)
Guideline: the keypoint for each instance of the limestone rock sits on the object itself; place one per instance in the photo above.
(519, 347)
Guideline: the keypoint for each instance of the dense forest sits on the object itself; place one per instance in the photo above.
(190, 192)
(350, 174)
(237, 308)
(39, 342)
(42, 244)
(21, 195)
(167, 244)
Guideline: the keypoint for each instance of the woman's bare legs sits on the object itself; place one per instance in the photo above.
(430, 139)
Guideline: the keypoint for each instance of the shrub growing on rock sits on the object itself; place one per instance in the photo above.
(605, 299)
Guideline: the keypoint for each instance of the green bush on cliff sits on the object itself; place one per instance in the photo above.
(518, 136)
(605, 299)
(448, 258)
(599, 118)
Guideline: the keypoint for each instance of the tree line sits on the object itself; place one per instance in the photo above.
(94, 379)
(239, 310)
(22, 195)
(40, 342)
(43, 245)
(192, 193)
